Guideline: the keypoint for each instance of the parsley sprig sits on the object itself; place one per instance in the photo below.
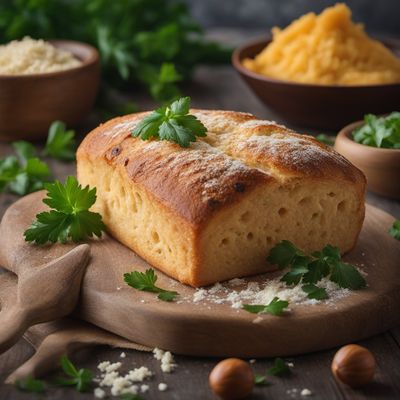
(146, 281)
(280, 368)
(81, 379)
(310, 269)
(30, 385)
(395, 229)
(173, 123)
(69, 218)
(379, 131)
(60, 142)
(24, 173)
(260, 380)
(275, 307)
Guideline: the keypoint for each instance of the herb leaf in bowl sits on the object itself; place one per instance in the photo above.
(381, 132)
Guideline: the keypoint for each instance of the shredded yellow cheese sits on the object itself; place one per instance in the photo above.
(326, 49)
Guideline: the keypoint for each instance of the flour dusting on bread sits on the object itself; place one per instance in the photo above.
(212, 212)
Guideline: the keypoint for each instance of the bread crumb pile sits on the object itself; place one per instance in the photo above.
(237, 292)
(327, 49)
(131, 382)
(29, 56)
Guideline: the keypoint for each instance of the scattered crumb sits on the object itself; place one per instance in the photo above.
(199, 295)
(139, 374)
(119, 288)
(252, 361)
(290, 364)
(109, 378)
(112, 367)
(122, 385)
(103, 365)
(292, 392)
(257, 320)
(306, 392)
(158, 353)
(236, 282)
(236, 292)
(166, 358)
(162, 387)
(122, 355)
(99, 393)
(144, 388)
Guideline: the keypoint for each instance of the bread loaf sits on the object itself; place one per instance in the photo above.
(212, 212)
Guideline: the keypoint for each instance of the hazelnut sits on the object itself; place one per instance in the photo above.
(354, 365)
(232, 379)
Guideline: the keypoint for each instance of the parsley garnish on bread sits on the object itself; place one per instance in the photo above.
(173, 123)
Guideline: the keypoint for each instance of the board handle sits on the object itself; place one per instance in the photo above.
(14, 322)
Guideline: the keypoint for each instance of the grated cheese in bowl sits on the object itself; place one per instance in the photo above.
(29, 56)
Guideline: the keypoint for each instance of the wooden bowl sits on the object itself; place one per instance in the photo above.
(381, 166)
(30, 103)
(317, 106)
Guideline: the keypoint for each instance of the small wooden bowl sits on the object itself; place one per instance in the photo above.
(381, 166)
(316, 106)
(30, 103)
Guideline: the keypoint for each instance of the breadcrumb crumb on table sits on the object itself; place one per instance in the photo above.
(162, 387)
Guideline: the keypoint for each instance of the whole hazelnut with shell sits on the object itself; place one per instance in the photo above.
(354, 365)
(232, 379)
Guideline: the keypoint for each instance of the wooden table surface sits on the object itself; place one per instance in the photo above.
(221, 88)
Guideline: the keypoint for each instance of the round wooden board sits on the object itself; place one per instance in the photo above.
(208, 329)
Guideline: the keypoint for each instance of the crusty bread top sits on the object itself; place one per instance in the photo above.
(239, 153)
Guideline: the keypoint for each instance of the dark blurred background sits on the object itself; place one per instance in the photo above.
(379, 16)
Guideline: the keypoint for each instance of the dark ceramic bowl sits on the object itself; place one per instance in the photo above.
(30, 103)
(317, 106)
(380, 166)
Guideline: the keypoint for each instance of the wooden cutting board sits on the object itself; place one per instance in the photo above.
(204, 329)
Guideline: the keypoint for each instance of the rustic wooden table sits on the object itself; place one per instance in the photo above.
(221, 88)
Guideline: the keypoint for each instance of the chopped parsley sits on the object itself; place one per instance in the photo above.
(146, 281)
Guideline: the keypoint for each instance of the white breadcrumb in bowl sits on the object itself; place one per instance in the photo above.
(30, 56)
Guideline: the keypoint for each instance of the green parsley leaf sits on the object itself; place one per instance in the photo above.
(24, 150)
(146, 281)
(315, 292)
(22, 179)
(325, 139)
(261, 380)
(81, 379)
(395, 229)
(379, 131)
(172, 123)
(346, 276)
(283, 254)
(280, 368)
(275, 307)
(30, 385)
(298, 269)
(316, 270)
(60, 142)
(162, 81)
(70, 217)
(311, 269)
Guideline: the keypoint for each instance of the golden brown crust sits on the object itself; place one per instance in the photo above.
(239, 153)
